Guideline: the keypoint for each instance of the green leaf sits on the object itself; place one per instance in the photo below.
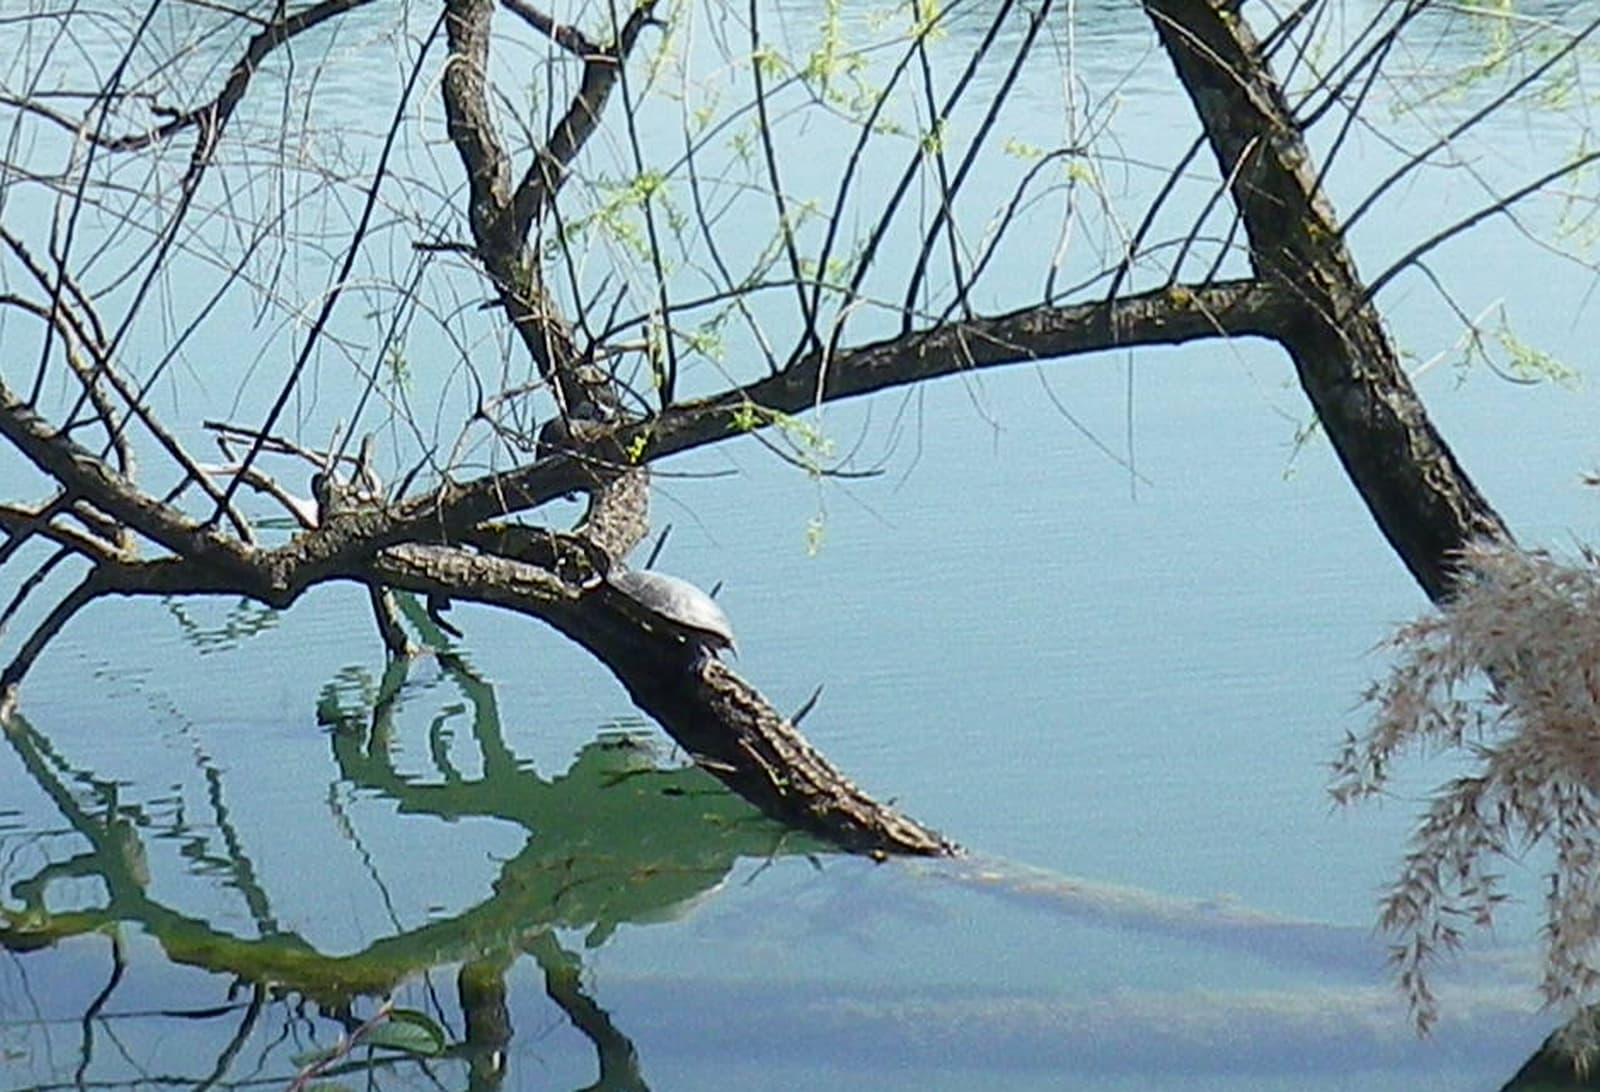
(409, 1031)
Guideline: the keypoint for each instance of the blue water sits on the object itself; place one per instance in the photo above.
(1102, 621)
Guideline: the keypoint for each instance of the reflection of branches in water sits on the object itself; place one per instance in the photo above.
(240, 622)
(481, 990)
(119, 965)
(240, 870)
(121, 820)
(383, 704)
(520, 918)
(619, 1060)
(613, 838)
(241, 1035)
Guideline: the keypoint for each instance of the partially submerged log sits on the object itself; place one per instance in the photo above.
(720, 719)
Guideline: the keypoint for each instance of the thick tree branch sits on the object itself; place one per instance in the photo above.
(497, 241)
(448, 514)
(1168, 316)
(1421, 498)
(732, 730)
(718, 717)
(467, 119)
(340, 549)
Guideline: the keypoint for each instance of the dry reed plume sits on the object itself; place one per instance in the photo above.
(1508, 674)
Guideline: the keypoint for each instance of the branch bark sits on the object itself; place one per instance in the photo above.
(718, 717)
(1419, 495)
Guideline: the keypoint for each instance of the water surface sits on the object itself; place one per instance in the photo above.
(1119, 687)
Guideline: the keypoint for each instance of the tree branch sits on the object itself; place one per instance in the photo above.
(601, 68)
(732, 730)
(212, 116)
(83, 474)
(1420, 497)
(1168, 316)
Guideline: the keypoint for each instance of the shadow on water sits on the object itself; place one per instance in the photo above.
(618, 837)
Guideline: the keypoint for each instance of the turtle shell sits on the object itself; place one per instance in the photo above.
(679, 602)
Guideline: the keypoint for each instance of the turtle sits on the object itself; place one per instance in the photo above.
(690, 610)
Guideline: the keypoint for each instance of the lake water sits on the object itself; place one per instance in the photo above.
(1119, 692)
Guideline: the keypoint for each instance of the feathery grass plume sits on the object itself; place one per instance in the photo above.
(1507, 673)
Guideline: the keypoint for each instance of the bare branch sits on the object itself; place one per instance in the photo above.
(84, 475)
(352, 249)
(565, 35)
(601, 69)
(211, 117)
(1499, 207)
(399, 646)
(1529, 79)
